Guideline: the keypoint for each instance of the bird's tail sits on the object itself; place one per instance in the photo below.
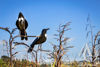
(24, 35)
(30, 48)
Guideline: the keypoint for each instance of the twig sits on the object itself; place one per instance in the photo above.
(6, 29)
(14, 53)
(21, 43)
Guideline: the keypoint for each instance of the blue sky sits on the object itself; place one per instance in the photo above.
(50, 13)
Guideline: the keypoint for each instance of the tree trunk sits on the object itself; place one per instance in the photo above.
(93, 55)
(36, 60)
(10, 54)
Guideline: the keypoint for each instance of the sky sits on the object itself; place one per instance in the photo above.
(42, 14)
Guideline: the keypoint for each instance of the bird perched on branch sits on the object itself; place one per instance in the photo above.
(22, 25)
(39, 40)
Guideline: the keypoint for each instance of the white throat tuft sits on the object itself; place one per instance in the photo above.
(45, 35)
(21, 18)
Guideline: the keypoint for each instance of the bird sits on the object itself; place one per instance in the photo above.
(22, 25)
(39, 40)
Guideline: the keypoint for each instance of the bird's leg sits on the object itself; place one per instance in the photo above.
(25, 34)
(40, 46)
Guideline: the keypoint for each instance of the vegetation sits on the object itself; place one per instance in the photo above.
(60, 50)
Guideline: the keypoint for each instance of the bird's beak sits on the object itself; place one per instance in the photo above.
(20, 13)
(48, 28)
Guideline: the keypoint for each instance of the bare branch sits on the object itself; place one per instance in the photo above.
(6, 29)
(65, 39)
(98, 34)
(66, 25)
(45, 50)
(13, 30)
(23, 36)
(15, 53)
(87, 26)
(88, 33)
(21, 43)
(68, 47)
(55, 34)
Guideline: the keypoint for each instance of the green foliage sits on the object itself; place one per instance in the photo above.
(5, 58)
(43, 65)
(1, 61)
(74, 64)
(16, 63)
(3, 64)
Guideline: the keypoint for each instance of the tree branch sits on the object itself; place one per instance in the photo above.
(22, 36)
(15, 53)
(6, 29)
(13, 30)
(21, 43)
(98, 34)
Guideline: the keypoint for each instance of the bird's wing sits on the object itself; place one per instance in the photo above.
(26, 24)
(17, 24)
(34, 42)
(32, 45)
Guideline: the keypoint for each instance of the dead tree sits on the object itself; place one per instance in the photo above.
(61, 49)
(11, 40)
(34, 52)
(89, 25)
(93, 39)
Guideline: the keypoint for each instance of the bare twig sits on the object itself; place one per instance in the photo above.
(6, 29)
(20, 43)
(15, 53)
(98, 34)
(13, 30)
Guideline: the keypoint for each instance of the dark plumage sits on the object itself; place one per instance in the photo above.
(38, 40)
(22, 25)
(99, 41)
